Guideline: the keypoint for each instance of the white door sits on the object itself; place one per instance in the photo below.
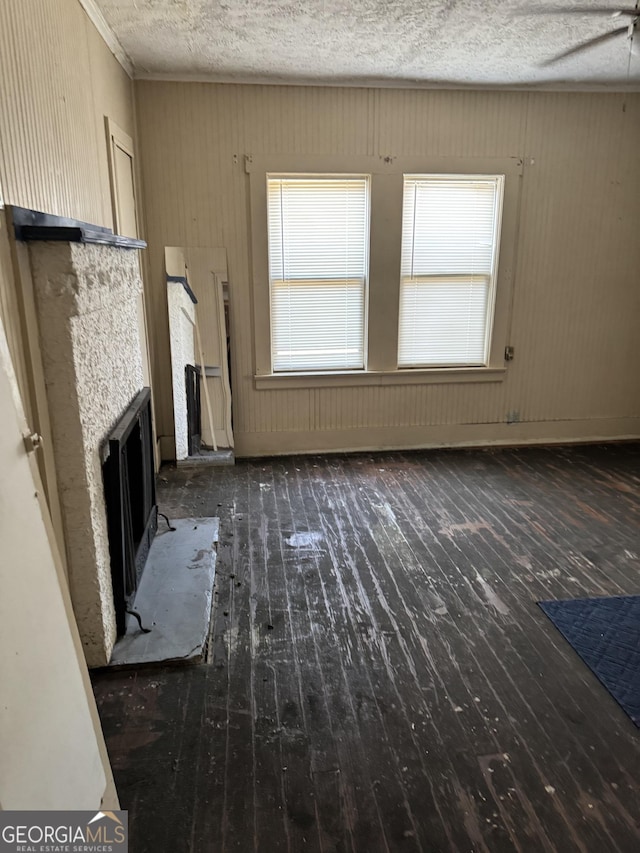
(51, 747)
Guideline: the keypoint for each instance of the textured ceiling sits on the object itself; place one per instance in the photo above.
(484, 43)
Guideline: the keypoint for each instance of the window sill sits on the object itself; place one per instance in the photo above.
(350, 378)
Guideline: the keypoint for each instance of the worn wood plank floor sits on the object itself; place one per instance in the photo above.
(380, 677)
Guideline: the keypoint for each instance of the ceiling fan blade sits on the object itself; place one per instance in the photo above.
(577, 10)
(585, 45)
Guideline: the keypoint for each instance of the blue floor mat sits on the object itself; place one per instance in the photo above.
(605, 632)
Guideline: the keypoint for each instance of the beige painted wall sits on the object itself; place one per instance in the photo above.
(576, 307)
(58, 79)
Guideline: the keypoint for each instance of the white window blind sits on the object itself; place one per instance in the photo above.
(450, 235)
(318, 256)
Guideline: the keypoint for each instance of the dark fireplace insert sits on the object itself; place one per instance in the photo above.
(130, 492)
(194, 408)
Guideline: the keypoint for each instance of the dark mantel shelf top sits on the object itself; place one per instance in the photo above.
(33, 225)
(182, 279)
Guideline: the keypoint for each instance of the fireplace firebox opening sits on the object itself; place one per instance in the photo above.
(130, 494)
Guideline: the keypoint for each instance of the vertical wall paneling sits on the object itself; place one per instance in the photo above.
(576, 302)
(58, 79)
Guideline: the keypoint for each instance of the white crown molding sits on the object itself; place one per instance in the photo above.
(612, 88)
(100, 23)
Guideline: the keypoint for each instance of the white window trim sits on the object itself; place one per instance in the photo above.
(384, 266)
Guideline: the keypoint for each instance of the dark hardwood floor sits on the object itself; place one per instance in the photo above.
(380, 677)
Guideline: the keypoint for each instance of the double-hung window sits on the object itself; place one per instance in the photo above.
(450, 237)
(318, 252)
(371, 270)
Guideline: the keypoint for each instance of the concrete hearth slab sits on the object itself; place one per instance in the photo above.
(225, 456)
(174, 597)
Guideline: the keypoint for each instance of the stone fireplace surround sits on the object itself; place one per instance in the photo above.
(87, 283)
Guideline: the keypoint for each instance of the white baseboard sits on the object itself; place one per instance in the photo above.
(450, 435)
